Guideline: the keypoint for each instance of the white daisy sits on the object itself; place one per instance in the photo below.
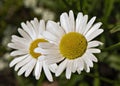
(26, 59)
(72, 43)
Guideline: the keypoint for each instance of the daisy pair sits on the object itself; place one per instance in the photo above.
(69, 43)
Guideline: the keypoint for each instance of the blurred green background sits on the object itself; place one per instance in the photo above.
(104, 73)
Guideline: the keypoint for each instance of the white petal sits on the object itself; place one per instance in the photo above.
(86, 67)
(61, 67)
(46, 51)
(20, 41)
(23, 62)
(24, 68)
(92, 57)
(24, 34)
(47, 72)
(28, 30)
(53, 60)
(55, 29)
(94, 34)
(30, 67)
(18, 52)
(78, 70)
(93, 50)
(49, 36)
(94, 28)
(53, 67)
(80, 63)
(41, 26)
(65, 23)
(69, 69)
(35, 25)
(32, 29)
(17, 46)
(16, 60)
(79, 20)
(38, 69)
(94, 44)
(41, 58)
(72, 21)
(89, 24)
(75, 65)
(12, 45)
(88, 61)
(53, 56)
(47, 45)
(83, 24)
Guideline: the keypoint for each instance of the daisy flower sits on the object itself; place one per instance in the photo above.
(26, 59)
(71, 43)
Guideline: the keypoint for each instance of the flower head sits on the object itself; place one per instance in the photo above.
(26, 59)
(71, 43)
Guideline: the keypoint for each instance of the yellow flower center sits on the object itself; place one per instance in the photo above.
(34, 45)
(73, 45)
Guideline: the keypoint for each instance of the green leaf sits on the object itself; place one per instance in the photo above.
(115, 29)
(112, 47)
(114, 61)
(108, 6)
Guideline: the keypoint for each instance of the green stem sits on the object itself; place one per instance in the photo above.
(96, 81)
(115, 46)
(102, 78)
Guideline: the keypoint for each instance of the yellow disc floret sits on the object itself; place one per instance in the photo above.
(34, 45)
(73, 45)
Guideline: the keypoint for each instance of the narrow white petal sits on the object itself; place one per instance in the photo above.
(94, 28)
(53, 67)
(35, 25)
(27, 29)
(61, 67)
(92, 57)
(79, 20)
(32, 29)
(41, 58)
(72, 21)
(16, 60)
(18, 52)
(23, 62)
(16, 46)
(47, 45)
(69, 69)
(55, 29)
(30, 67)
(89, 24)
(78, 70)
(47, 72)
(65, 23)
(75, 65)
(88, 61)
(83, 24)
(53, 56)
(50, 36)
(38, 69)
(20, 41)
(93, 50)
(86, 67)
(24, 68)
(41, 26)
(94, 44)
(94, 34)
(80, 63)
(54, 60)
(24, 34)
(46, 51)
